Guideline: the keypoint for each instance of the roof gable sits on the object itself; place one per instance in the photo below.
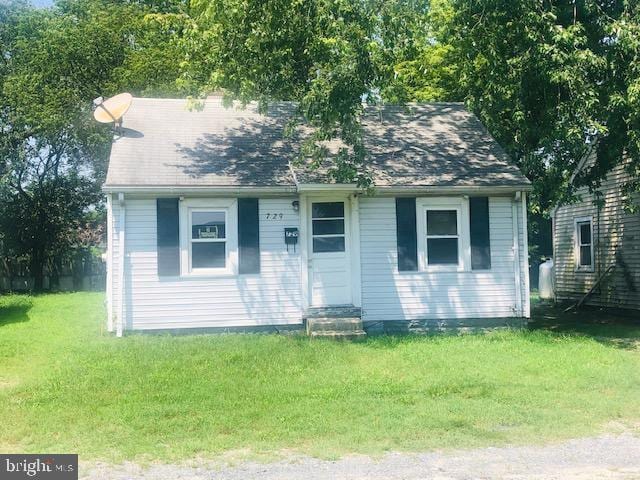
(166, 144)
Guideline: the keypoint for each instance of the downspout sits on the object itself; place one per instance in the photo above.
(122, 253)
(304, 254)
(109, 264)
(525, 235)
(598, 251)
(516, 254)
(302, 239)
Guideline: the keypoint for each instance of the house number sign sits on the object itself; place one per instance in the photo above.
(274, 216)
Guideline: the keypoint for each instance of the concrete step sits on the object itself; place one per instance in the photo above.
(343, 311)
(347, 336)
(334, 324)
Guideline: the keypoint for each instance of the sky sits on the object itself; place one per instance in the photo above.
(42, 3)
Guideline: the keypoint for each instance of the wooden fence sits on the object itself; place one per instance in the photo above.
(86, 272)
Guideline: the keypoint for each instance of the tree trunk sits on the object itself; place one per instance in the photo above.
(37, 271)
(54, 275)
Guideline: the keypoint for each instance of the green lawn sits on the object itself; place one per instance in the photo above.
(67, 386)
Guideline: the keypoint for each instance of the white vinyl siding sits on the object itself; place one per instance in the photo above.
(391, 295)
(272, 297)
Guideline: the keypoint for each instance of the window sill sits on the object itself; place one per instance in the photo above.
(433, 270)
(208, 274)
(179, 278)
(585, 270)
(443, 270)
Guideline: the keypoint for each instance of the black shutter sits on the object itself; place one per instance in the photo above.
(479, 231)
(168, 237)
(248, 235)
(407, 234)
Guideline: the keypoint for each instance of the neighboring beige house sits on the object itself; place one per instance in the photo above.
(597, 246)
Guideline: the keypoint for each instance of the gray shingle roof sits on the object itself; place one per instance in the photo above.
(166, 144)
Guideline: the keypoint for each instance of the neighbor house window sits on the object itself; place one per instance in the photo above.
(327, 225)
(442, 237)
(208, 240)
(584, 244)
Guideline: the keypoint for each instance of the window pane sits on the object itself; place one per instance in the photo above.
(442, 222)
(208, 255)
(328, 244)
(585, 256)
(207, 225)
(442, 251)
(328, 227)
(327, 210)
(585, 234)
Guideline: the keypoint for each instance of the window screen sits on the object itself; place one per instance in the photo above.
(442, 237)
(585, 244)
(442, 222)
(208, 239)
(208, 255)
(208, 225)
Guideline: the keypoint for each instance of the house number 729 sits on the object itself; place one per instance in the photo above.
(274, 216)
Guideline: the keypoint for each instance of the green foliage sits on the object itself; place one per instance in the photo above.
(413, 57)
(315, 52)
(50, 214)
(53, 154)
(549, 80)
(326, 55)
(66, 385)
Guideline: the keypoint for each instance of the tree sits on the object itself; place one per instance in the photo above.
(55, 62)
(10, 13)
(325, 55)
(415, 61)
(43, 221)
(550, 80)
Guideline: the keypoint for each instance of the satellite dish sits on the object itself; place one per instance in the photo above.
(112, 109)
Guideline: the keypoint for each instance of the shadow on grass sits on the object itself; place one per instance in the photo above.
(606, 326)
(14, 309)
(619, 329)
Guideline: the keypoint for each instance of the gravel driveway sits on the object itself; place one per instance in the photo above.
(604, 457)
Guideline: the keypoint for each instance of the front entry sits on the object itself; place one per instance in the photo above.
(329, 252)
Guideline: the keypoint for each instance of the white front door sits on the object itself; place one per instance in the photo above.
(329, 250)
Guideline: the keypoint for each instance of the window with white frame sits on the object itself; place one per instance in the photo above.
(443, 236)
(584, 244)
(207, 239)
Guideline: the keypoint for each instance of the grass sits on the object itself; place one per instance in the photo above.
(67, 386)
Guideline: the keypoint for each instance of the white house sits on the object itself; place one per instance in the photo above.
(211, 225)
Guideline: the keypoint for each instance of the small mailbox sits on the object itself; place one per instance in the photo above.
(290, 236)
